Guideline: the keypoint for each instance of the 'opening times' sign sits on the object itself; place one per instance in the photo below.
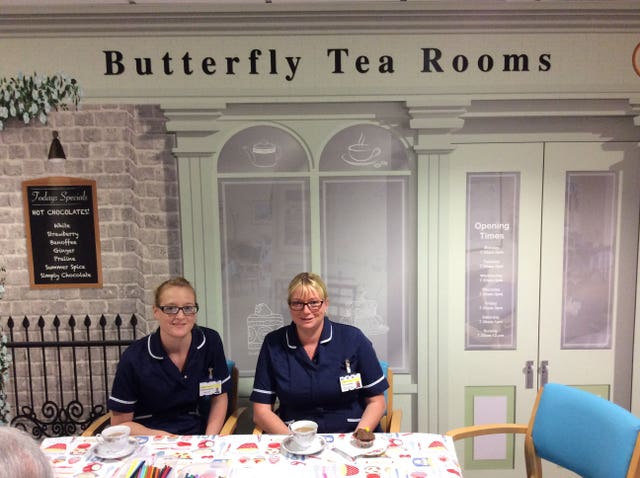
(492, 245)
(62, 232)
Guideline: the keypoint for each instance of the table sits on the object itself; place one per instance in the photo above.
(406, 455)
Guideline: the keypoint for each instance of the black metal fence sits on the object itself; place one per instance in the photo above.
(60, 373)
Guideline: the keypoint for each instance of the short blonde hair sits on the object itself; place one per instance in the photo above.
(174, 282)
(306, 280)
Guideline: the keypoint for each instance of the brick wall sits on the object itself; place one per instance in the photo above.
(127, 151)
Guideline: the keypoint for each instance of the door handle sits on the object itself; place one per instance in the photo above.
(544, 372)
(528, 374)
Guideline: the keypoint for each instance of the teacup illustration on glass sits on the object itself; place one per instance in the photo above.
(361, 152)
(263, 154)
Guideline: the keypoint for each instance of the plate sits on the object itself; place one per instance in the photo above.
(101, 452)
(379, 446)
(290, 446)
(204, 470)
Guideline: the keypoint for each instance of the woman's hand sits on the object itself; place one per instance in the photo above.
(119, 418)
(265, 418)
(217, 413)
(373, 412)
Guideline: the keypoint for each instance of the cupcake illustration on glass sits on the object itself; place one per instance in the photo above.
(259, 324)
(263, 154)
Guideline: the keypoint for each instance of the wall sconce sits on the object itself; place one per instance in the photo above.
(56, 153)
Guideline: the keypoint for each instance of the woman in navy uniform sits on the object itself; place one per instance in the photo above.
(175, 380)
(318, 369)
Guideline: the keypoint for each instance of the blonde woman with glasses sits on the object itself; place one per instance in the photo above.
(319, 370)
(175, 380)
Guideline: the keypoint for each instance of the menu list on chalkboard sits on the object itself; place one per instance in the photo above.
(62, 232)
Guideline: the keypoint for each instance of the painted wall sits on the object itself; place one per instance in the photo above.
(190, 64)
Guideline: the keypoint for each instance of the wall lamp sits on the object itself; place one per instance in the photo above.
(56, 153)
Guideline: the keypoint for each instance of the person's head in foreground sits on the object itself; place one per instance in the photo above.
(21, 456)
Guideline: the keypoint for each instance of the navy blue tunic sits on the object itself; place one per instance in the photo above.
(149, 384)
(310, 389)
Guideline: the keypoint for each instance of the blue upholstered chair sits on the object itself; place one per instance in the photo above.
(233, 411)
(577, 430)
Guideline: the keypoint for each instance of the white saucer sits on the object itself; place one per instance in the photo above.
(101, 452)
(290, 446)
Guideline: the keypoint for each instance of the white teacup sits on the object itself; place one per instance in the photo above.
(114, 439)
(363, 153)
(304, 432)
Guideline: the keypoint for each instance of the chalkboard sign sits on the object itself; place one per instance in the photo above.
(63, 238)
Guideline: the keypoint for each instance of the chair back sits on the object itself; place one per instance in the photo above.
(584, 433)
(391, 421)
(233, 396)
(388, 393)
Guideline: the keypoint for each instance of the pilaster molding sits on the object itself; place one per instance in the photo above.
(434, 122)
(193, 124)
(634, 105)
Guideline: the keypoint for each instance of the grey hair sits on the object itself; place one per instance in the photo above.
(20, 455)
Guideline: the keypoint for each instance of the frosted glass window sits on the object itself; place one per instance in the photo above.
(262, 149)
(265, 242)
(365, 259)
(364, 212)
(589, 243)
(364, 147)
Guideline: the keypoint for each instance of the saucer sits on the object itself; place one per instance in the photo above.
(101, 452)
(290, 446)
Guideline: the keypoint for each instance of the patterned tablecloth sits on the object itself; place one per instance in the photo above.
(402, 455)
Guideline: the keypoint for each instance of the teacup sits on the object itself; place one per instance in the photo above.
(363, 153)
(304, 432)
(114, 439)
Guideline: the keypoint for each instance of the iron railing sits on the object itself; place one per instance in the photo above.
(60, 374)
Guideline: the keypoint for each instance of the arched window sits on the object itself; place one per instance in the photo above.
(348, 216)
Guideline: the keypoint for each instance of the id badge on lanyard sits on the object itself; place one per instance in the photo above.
(210, 387)
(351, 381)
(213, 387)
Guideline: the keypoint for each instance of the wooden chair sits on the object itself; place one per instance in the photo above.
(98, 425)
(577, 430)
(392, 419)
(233, 412)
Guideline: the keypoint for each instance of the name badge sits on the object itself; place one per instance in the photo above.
(350, 382)
(213, 387)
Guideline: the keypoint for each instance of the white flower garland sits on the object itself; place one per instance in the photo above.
(29, 97)
(5, 360)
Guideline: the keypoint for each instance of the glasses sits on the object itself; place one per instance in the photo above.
(312, 304)
(174, 309)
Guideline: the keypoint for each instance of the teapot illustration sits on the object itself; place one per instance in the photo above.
(263, 154)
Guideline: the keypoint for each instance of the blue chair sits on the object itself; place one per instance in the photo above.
(577, 430)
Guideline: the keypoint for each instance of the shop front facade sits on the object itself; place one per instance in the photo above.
(466, 181)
